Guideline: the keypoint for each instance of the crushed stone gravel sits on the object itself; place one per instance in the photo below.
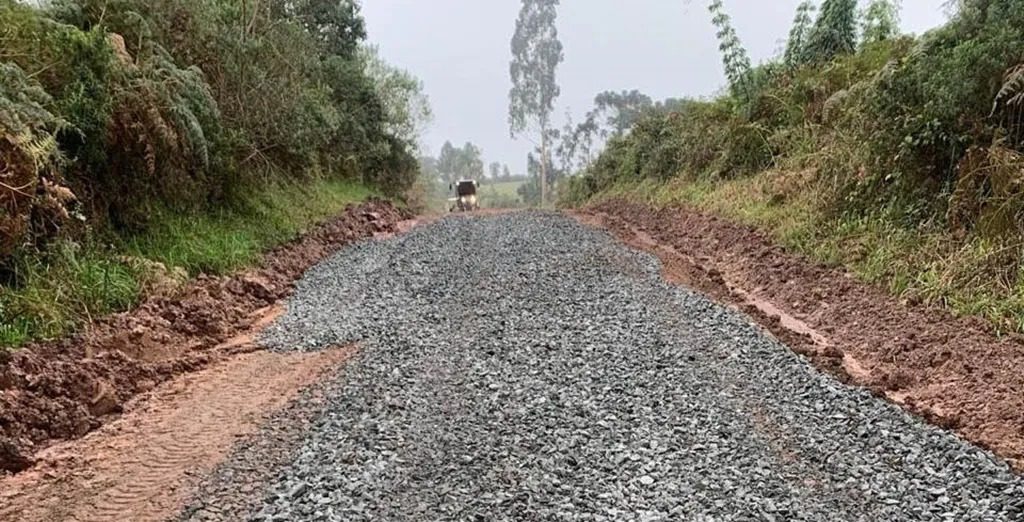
(525, 367)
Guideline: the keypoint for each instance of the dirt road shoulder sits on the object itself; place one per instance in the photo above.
(65, 389)
(952, 371)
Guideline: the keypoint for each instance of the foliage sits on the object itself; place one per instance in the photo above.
(181, 103)
(921, 115)
(834, 32)
(530, 192)
(536, 53)
(29, 159)
(501, 194)
(734, 55)
(622, 109)
(880, 21)
(116, 113)
(1012, 92)
(794, 54)
(495, 170)
(460, 163)
(406, 108)
(335, 23)
(900, 158)
(74, 282)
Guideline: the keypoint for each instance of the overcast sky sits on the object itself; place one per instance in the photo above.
(664, 48)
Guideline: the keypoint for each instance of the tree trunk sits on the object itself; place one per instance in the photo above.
(543, 167)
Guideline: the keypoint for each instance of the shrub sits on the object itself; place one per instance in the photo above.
(31, 197)
(187, 103)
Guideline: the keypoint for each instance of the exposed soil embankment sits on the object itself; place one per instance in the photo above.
(64, 389)
(953, 371)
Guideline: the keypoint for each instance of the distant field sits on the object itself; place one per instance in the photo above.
(500, 194)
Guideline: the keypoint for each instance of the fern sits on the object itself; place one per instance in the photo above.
(28, 152)
(1012, 91)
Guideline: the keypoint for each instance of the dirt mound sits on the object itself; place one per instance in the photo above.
(64, 389)
(953, 371)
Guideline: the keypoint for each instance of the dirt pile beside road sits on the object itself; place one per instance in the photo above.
(953, 371)
(64, 389)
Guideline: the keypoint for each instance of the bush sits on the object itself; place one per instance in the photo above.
(924, 112)
(31, 198)
(149, 118)
(887, 127)
(186, 103)
(902, 160)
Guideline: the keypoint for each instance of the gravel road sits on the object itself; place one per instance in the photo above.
(525, 367)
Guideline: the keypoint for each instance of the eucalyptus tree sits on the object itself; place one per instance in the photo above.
(457, 163)
(622, 109)
(798, 33)
(536, 54)
(880, 21)
(834, 32)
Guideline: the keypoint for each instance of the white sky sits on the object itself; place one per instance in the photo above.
(664, 48)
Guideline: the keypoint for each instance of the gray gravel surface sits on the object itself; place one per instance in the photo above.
(524, 367)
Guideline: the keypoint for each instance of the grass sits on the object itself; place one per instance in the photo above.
(69, 284)
(500, 194)
(223, 241)
(50, 294)
(971, 276)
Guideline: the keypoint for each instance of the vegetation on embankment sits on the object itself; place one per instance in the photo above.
(897, 157)
(192, 133)
(72, 282)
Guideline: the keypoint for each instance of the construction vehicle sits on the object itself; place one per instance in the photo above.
(465, 199)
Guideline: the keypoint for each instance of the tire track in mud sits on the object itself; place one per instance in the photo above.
(144, 465)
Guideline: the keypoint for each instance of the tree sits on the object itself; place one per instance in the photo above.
(798, 33)
(495, 170)
(880, 21)
(471, 165)
(623, 109)
(429, 168)
(575, 148)
(406, 108)
(336, 23)
(460, 163)
(448, 162)
(834, 32)
(536, 53)
(734, 55)
(530, 191)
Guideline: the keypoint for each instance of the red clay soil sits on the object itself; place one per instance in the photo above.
(65, 389)
(146, 463)
(953, 371)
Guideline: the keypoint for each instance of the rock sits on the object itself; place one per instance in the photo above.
(525, 367)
